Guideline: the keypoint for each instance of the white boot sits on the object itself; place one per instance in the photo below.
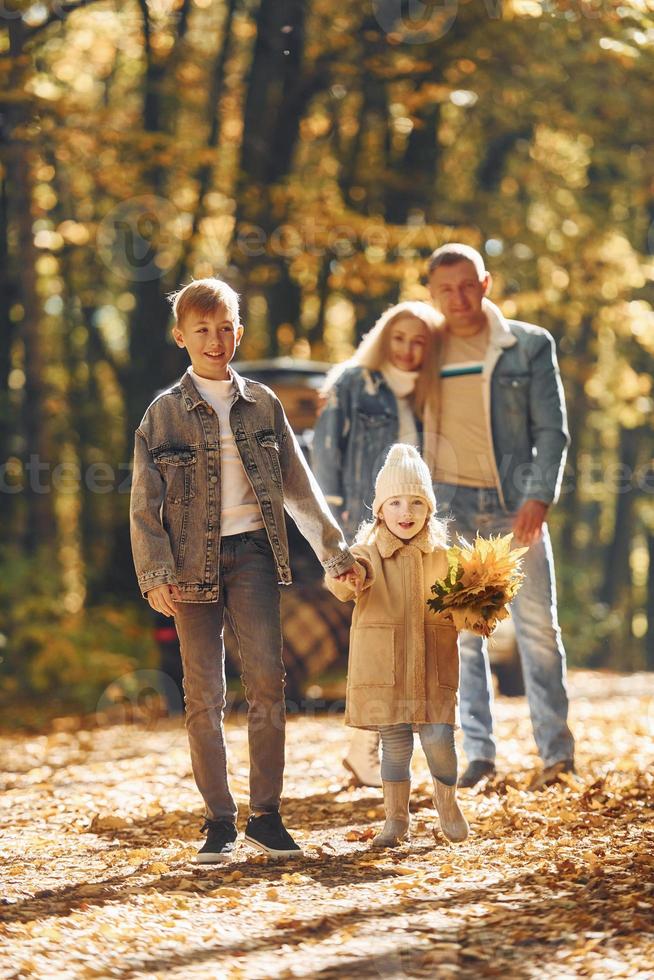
(453, 824)
(362, 758)
(396, 805)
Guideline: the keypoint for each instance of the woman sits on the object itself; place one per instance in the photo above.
(374, 400)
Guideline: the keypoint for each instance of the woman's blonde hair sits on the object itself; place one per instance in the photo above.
(372, 352)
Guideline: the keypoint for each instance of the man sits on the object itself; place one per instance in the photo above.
(496, 440)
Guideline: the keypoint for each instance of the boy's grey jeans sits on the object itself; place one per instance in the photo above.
(249, 594)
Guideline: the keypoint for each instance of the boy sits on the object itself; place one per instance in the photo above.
(215, 463)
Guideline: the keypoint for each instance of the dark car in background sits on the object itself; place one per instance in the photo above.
(315, 625)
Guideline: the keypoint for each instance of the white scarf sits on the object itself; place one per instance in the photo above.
(400, 382)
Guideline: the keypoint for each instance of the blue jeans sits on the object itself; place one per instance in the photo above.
(537, 629)
(397, 748)
(249, 595)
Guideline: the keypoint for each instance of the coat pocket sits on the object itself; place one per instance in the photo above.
(372, 656)
(178, 467)
(443, 653)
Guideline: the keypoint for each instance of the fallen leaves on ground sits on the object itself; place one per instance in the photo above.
(98, 828)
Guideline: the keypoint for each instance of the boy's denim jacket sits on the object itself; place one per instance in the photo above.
(356, 428)
(175, 502)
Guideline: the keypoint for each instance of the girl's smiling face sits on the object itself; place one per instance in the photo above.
(405, 516)
(407, 343)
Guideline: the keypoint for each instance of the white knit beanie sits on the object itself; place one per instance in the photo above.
(404, 473)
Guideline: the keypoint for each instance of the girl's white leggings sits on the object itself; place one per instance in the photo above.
(437, 743)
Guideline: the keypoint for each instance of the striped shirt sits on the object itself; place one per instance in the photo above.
(464, 453)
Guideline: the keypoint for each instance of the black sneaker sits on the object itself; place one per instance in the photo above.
(219, 845)
(477, 770)
(269, 834)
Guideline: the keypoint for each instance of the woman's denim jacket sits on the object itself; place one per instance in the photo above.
(175, 502)
(356, 429)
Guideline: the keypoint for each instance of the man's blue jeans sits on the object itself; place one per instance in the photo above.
(537, 629)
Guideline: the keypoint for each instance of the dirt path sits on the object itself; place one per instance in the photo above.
(98, 826)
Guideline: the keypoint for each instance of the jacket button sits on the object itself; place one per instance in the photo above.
(214, 479)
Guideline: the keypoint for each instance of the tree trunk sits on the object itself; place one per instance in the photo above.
(617, 575)
(205, 172)
(8, 422)
(148, 348)
(649, 639)
(277, 96)
(40, 525)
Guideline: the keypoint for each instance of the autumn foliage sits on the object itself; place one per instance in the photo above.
(482, 579)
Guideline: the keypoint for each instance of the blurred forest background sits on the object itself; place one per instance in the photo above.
(314, 155)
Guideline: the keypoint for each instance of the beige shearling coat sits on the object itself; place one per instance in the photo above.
(404, 659)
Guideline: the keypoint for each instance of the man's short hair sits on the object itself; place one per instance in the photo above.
(456, 252)
(204, 296)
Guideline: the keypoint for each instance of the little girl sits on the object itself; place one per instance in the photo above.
(404, 661)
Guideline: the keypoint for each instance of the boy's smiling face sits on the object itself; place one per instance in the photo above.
(405, 516)
(211, 340)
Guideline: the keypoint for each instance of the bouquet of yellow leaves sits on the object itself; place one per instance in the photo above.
(481, 580)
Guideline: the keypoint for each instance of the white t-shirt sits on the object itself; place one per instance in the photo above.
(239, 508)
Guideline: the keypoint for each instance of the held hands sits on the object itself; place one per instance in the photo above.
(162, 599)
(356, 576)
(528, 524)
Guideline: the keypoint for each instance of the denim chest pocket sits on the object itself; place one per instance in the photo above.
(516, 381)
(514, 390)
(178, 467)
(374, 420)
(267, 440)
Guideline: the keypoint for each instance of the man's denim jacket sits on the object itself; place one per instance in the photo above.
(525, 413)
(356, 428)
(175, 502)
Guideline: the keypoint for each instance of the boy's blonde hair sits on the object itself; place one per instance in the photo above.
(436, 529)
(372, 352)
(204, 296)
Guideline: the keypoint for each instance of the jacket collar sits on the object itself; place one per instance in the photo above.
(192, 396)
(387, 543)
(242, 386)
(500, 331)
